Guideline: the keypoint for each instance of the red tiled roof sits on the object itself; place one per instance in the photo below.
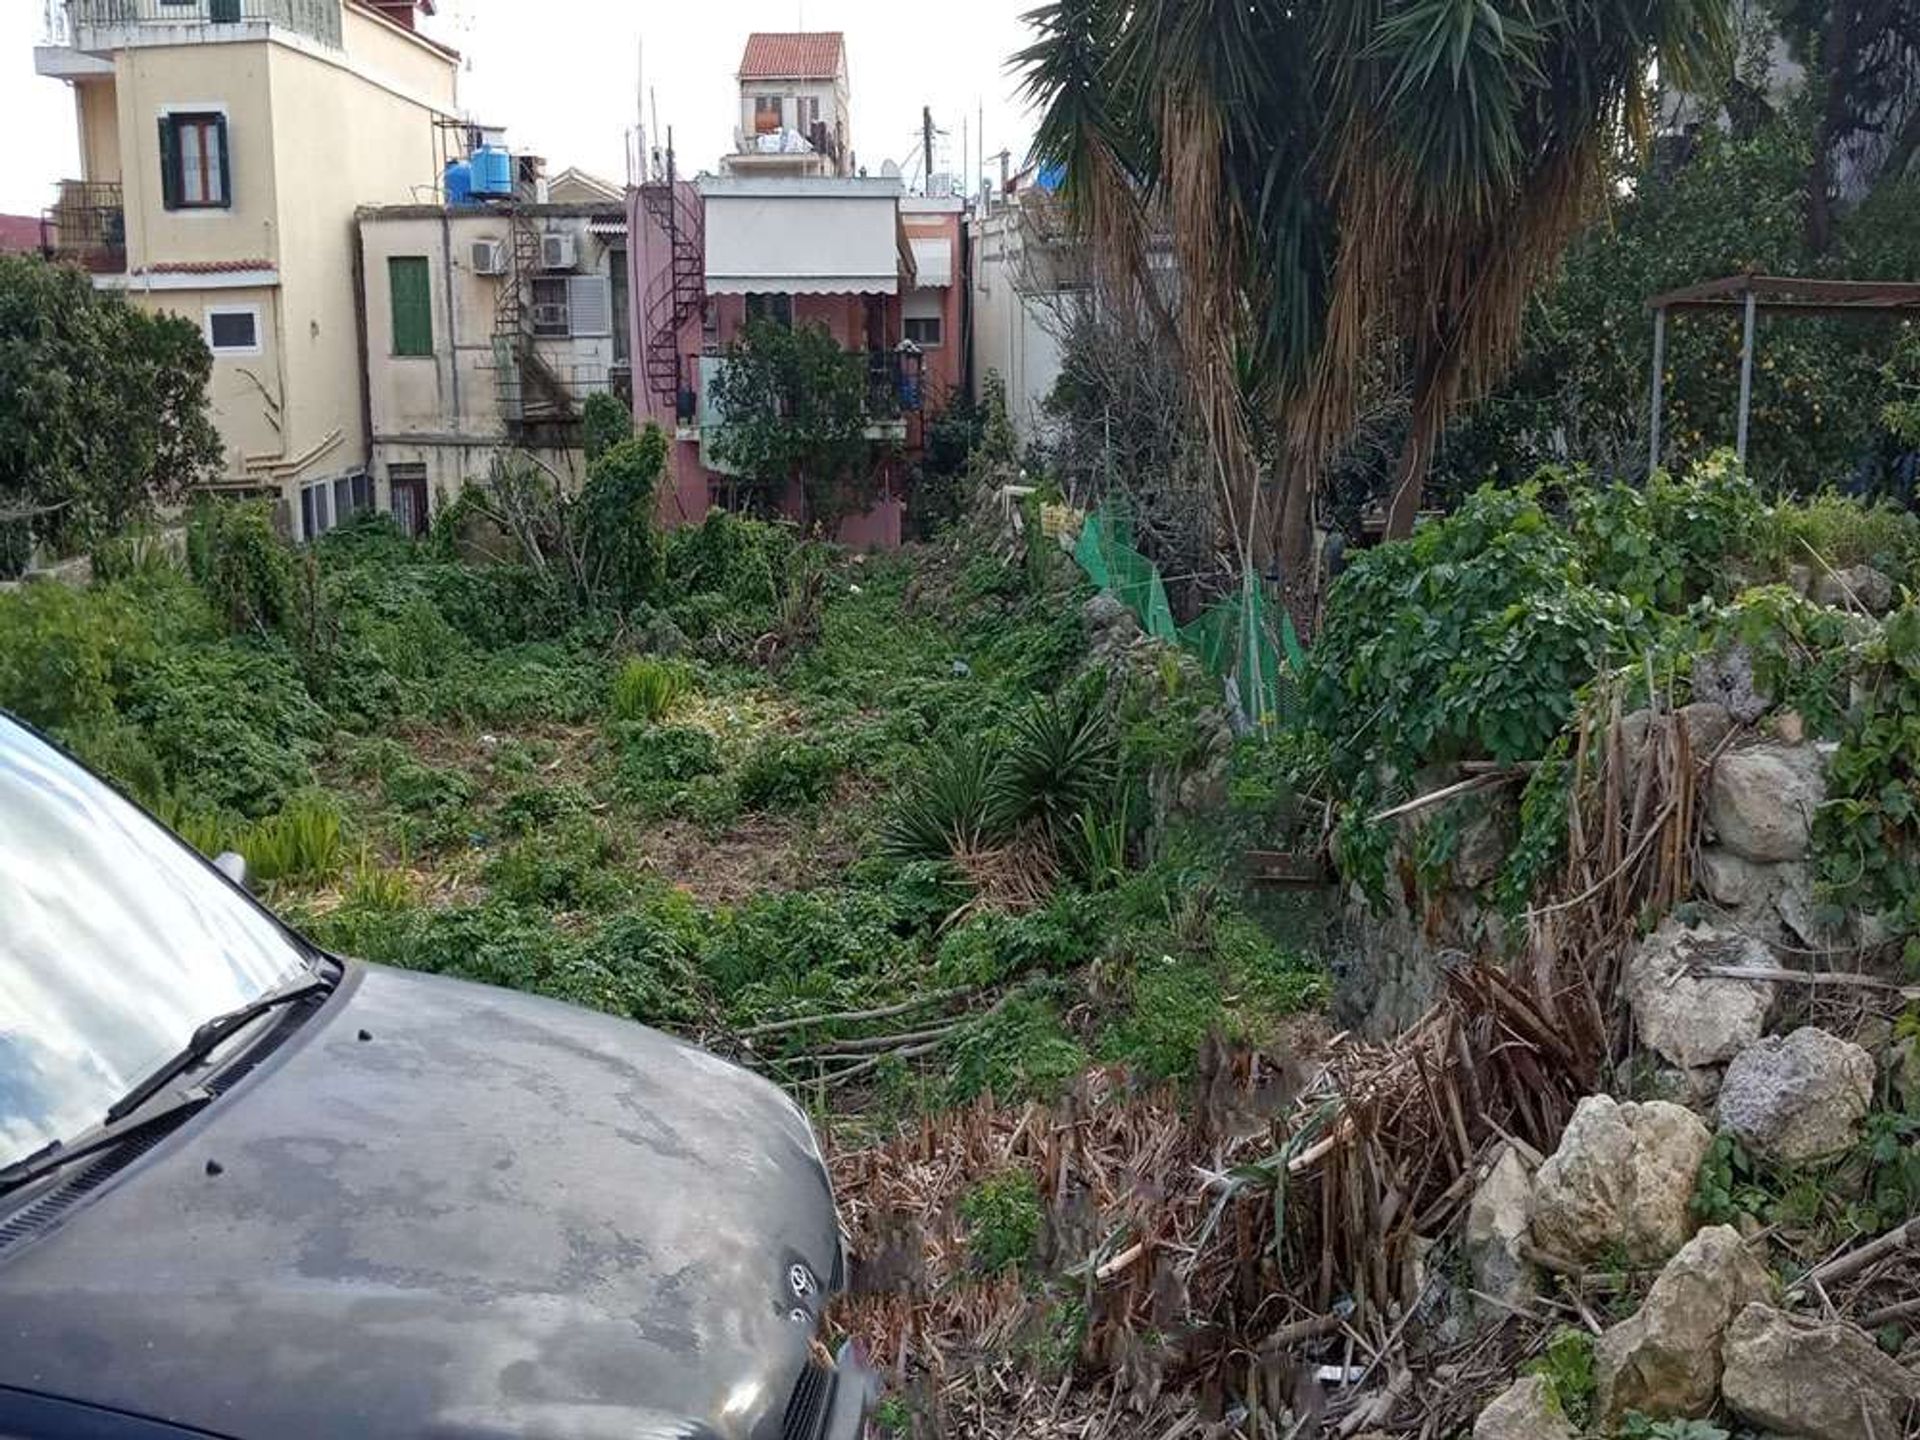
(792, 55)
(204, 267)
(19, 234)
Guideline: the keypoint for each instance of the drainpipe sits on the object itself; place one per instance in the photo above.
(453, 336)
(360, 338)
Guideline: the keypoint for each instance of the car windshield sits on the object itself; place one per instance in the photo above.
(115, 942)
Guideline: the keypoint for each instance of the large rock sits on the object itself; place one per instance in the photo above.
(1854, 587)
(1762, 800)
(1525, 1410)
(1665, 1358)
(1798, 1097)
(1800, 1377)
(1696, 1020)
(1622, 1178)
(1497, 1221)
(1725, 677)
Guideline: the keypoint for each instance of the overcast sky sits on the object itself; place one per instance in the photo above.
(560, 76)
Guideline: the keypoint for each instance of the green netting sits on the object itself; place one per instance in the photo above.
(1237, 638)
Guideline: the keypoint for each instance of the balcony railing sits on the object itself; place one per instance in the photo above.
(88, 226)
(80, 20)
(893, 389)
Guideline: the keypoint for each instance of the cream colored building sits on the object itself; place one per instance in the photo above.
(225, 147)
(795, 107)
(487, 325)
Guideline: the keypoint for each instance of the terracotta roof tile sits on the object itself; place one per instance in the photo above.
(204, 267)
(792, 55)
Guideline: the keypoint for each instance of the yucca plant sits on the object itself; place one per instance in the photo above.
(376, 885)
(948, 809)
(1096, 845)
(1061, 758)
(648, 689)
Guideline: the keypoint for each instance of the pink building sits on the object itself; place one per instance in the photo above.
(788, 233)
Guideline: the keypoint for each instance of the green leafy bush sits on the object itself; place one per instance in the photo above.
(1002, 1215)
(240, 564)
(303, 841)
(565, 869)
(604, 423)
(648, 689)
(65, 653)
(231, 724)
(619, 535)
(785, 774)
(1019, 1051)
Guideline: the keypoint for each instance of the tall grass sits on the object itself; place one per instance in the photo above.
(648, 689)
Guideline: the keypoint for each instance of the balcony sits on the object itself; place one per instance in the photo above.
(893, 392)
(87, 226)
(100, 26)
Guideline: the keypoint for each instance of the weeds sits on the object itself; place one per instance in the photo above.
(1002, 1215)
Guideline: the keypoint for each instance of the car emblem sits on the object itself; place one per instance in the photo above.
(800, 1280)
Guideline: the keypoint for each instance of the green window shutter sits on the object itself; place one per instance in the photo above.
(169, 164)
(412, 305)
(226, 165)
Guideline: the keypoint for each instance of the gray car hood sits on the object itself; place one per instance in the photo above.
(444, 1210)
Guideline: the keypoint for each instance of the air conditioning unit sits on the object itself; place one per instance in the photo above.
(557, 252)
(550, 319)
(489, 257)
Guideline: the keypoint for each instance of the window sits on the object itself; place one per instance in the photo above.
(233, 329)
(316, 509)
(617, 278)
(924, 331)
(766, 114)
(550, 314)
(352, 495)
(194, 174)
(411, 297)
(777, 308)
(590, 308)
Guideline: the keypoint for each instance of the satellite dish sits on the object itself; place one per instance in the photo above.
(890, 170)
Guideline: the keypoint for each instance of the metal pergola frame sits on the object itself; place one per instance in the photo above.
(1751, 293)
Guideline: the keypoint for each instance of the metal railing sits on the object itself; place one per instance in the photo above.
(88, 225)
(319, 19)
(893, 389)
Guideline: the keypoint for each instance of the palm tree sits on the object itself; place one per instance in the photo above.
(1346, 186)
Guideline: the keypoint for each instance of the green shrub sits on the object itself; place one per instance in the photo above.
(137, 554)
(641, 964)
(565, 869)
(648, 689)
(525, 810)
(1567, 1367)
(619, 535)
(650, 753)
(240, 564)
(1002, 1215)
(1019, 1051)
(64, 653)
(783, 774)
(604, 423)
(231, 724)
(1839, 530)
(837, 944)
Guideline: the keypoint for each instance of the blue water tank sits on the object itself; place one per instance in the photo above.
(492, 171)
(459, 182)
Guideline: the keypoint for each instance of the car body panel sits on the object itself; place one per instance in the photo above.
(445, 1210)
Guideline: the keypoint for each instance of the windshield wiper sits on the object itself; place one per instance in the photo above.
(208, 1037)
(45, 1162)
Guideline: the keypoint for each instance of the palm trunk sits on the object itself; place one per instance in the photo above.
(1432, 388)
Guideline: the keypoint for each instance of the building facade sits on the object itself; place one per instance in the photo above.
(487, 325)
(796, 115)
(1027, 272)
(225, 146)
(781, 234)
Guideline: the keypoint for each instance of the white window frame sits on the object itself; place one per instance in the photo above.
(938, 320)
(222, 351)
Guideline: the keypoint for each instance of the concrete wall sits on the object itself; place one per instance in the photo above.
(1013, 325)
(97, 109)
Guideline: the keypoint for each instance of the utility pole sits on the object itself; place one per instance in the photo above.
(926, 148)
